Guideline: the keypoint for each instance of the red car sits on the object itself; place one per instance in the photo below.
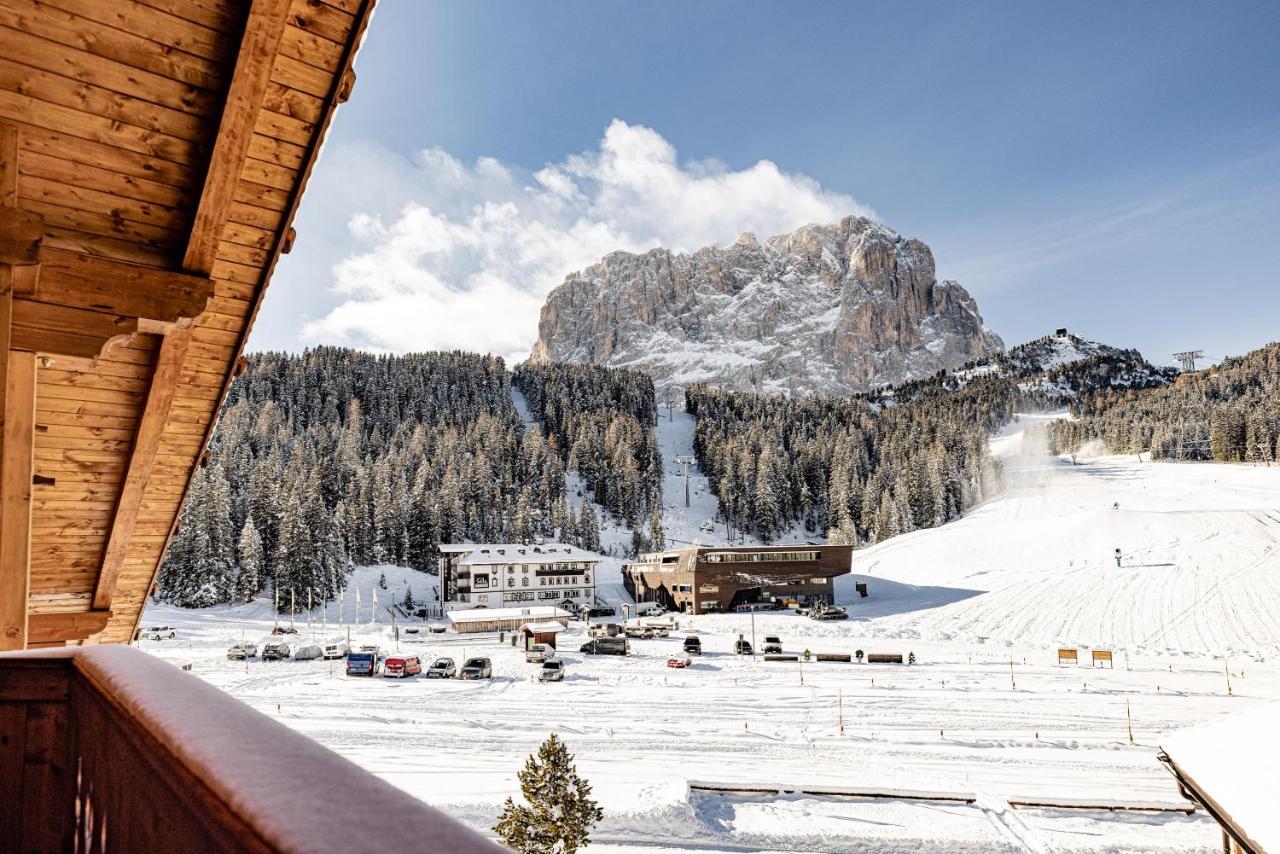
(679, 662)
(398, 666)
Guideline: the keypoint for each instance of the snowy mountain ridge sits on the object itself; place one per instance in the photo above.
(1060, 366)
(826, 309)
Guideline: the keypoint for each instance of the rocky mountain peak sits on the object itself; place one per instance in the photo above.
(824, 309)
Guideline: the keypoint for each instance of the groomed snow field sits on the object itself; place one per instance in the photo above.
(984, 603)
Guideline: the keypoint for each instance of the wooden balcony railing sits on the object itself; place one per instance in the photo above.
(108, 749)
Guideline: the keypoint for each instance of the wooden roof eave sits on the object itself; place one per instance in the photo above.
(339, 91)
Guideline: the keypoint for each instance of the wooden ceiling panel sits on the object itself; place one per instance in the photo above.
(153, 136)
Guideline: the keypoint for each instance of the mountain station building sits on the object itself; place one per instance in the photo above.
(702, 579)
(513, 575)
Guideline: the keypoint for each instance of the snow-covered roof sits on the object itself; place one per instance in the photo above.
(543, 628)
(485, 553)
(480, 615)
(1231, 763)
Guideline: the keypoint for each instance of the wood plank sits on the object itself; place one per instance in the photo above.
(48, 778)
(88, 281)
(48, 191)
(9, 148)
(258, 47)
(17, 107)
(124, 48)
(13, 730)
(277, 151)
(321, 20)
(56, 329)
(167, 31)
(21, 236)
(109, 157)
(106, 181)
(154, 420)
(224, 15)
(71, 62)
(77, 94)
(113, 248)
(16, 504)
(67, 626)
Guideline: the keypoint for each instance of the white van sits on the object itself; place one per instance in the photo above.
(649, 609)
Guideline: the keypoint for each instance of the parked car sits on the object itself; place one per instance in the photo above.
(308, 652)
(159, 633)
(442, 668)
(242, 651)
(600, 612)
(742, 647)
(606, 646)
(284, 630)
(772, 644)
(604, 630)
(641, 632)
(539, 653)
(275, 651)
(477, 668)
(658, 631)
(649, 609)
(401, 666)
(336, 649)
(362, 664)
(693, 645)
(679, 662)
(552, 671)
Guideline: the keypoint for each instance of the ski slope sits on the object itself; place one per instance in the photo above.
(1200, 557)
(983, 603)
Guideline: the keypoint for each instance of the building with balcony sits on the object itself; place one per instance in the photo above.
(514, 575)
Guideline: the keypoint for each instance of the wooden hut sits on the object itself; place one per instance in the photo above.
(544, 632)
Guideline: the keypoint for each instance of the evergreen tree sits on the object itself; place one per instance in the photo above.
(249, 579)
(558, 812)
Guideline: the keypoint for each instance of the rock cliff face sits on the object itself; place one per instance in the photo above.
(826, 309)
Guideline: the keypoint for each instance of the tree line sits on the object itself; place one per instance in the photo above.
(333, 458)
(847, 468)
(1228, 413)
(599, 421)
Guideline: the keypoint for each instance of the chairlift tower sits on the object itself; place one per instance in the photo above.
(1188, 360)
(686, 461)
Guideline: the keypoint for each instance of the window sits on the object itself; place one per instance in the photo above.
(524, 582)
(758, 557)
(480, 581)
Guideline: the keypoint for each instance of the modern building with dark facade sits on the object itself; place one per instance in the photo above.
(701, 579)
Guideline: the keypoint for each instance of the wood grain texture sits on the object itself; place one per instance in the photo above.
(235, 129)
(16, 464)
(155, 415)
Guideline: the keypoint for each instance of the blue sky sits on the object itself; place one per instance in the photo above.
(1111, 167)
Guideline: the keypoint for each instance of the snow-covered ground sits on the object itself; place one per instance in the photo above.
(983, 603)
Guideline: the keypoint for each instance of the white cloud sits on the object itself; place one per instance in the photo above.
(469, 260)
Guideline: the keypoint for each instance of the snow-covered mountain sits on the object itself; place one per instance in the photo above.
(1067, 364)
(826, 309)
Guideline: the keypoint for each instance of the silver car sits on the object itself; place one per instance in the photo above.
(552, 671)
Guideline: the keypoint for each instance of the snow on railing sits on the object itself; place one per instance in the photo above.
(116, 750)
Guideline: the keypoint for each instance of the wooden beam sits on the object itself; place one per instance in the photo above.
(155, 415)
(16, 464)
(258, 47)
(102, 284)
(9, 144)
(21, 234)
(41, 327)
(54, 628)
